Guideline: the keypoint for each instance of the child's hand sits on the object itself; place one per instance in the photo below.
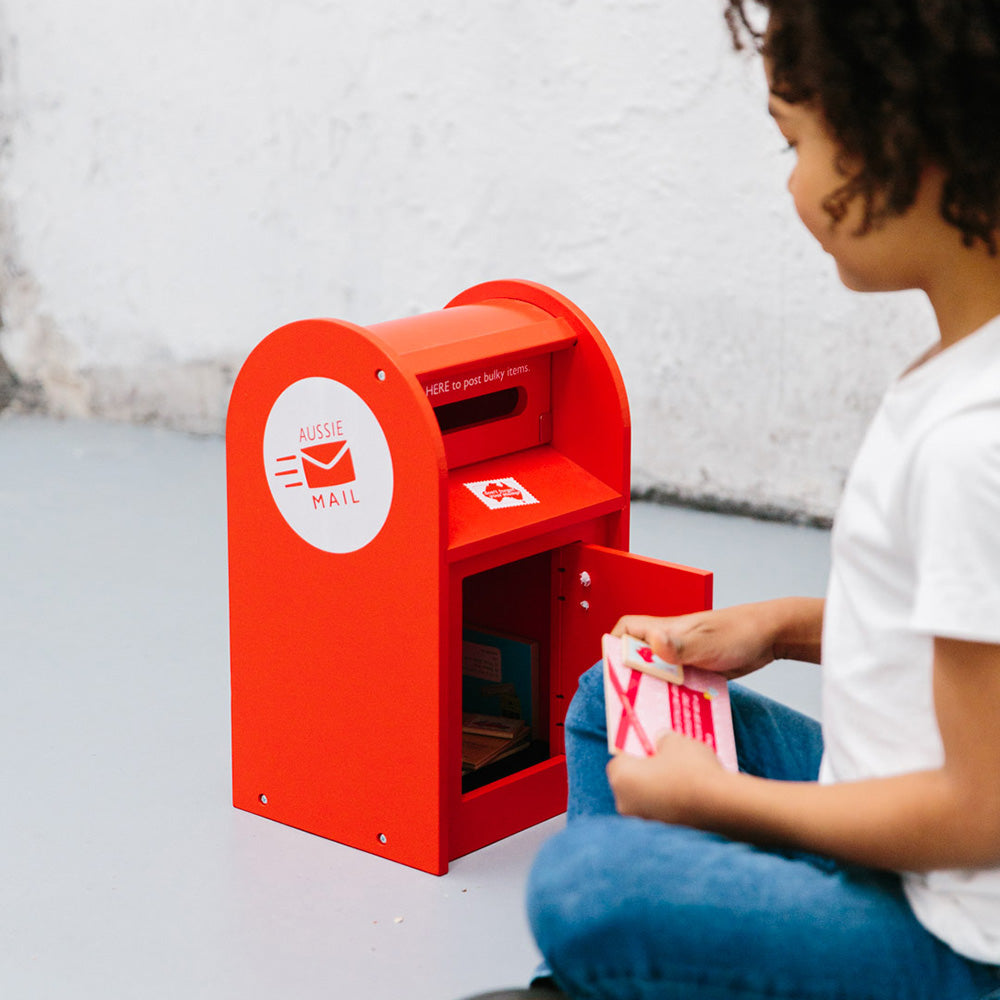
(670, 786)
(731, 641)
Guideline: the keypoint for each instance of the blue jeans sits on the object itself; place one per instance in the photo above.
(631, 909)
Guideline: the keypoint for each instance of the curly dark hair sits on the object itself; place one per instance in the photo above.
(901, 83)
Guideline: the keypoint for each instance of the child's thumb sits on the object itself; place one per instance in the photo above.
(670, 645)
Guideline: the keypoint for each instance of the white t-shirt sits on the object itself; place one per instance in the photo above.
(916, 554)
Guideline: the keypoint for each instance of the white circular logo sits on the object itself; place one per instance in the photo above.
(328, 465)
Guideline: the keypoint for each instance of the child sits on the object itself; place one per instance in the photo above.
(861, 863)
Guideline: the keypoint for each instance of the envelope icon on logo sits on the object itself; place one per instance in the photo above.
(328, 464)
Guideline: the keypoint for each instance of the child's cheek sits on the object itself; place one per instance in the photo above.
(809, 208)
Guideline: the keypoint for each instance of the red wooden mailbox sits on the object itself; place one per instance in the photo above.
(389, 486)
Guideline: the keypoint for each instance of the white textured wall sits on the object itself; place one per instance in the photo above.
(178, 179)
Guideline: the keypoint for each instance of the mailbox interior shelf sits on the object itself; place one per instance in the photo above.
(561, 493)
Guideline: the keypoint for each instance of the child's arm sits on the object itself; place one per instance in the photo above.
(734, 641)
(943, 818)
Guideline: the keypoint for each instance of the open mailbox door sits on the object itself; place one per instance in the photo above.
(592, 586)
(598, 586)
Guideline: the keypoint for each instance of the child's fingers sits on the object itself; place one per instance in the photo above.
(668, 637)
(667, 644)
(672, 645)
(634, 625)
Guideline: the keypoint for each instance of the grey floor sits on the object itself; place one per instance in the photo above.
(126, 873)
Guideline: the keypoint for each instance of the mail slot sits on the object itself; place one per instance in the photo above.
(413, 507)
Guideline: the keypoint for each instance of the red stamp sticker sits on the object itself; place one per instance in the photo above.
(498, 494)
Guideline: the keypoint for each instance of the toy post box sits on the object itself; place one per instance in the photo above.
(395, 493)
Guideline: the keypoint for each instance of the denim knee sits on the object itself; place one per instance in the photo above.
(558, 893)
(578, 902)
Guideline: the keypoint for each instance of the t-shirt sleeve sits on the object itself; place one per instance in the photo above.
(953, 522)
